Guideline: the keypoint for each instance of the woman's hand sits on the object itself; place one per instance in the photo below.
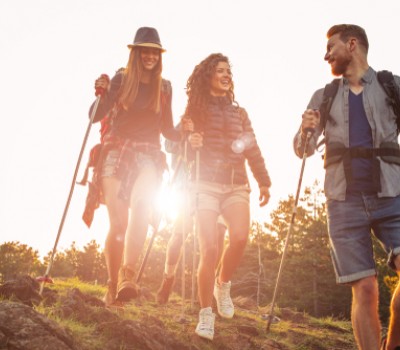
(264, 196)
(101, 84)
(196, 140)
(187, 125)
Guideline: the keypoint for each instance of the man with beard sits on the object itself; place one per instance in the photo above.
(362, 180)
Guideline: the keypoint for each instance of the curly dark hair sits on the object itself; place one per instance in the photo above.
(198, 87)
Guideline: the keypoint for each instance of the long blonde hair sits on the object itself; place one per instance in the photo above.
(131, 78)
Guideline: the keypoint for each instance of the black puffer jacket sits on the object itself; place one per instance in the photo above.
(228, 140)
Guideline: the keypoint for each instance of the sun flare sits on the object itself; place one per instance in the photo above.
(171, 200)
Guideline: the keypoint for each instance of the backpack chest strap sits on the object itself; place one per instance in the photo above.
(388, 151)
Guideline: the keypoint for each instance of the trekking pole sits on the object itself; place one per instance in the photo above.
(260, 269)
(184, 224)
(195, 233)
(294, 210)
(156, 230)
(46, 277)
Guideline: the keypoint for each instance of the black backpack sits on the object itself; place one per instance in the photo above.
(385, 78)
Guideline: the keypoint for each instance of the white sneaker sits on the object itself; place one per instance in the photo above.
(205, 327)
(222, 294)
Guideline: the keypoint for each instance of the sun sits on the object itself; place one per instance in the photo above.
(171, 199)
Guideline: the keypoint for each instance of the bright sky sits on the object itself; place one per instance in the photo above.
(52, 51)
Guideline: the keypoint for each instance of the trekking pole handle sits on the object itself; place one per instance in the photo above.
(100, 90)
(309, 131)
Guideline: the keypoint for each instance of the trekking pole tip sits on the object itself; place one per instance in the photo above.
(270, 320)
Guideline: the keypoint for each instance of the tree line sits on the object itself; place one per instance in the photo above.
(307, 283)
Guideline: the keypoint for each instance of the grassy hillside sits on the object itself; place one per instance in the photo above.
(143, 324)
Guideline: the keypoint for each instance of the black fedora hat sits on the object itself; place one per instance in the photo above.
(147, 37)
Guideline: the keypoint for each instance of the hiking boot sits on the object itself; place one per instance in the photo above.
(127, 288)
(111, 294)
(205, 327)
(165, 289)
(224, 302)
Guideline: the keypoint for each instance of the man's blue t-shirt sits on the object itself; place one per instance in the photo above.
(360, 135)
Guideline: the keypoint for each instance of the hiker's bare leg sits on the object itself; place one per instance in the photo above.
(208, 256)
(174, 246)
(364, 313)
(393, 338)
(175, 243)
(237, 216)
(221, 231)
(118, 219)
(173, 254)
(141, 201)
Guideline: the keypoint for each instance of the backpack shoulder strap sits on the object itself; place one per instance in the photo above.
(166, 91)
(330, 92)
(386, 79)
(166, 87)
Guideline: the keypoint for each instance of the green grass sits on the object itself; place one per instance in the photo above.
(62, 285)
(88, 338)
(296, 330)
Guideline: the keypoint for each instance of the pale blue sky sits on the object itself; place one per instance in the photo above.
(52, 51)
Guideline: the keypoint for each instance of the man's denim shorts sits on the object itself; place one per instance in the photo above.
(350, 224)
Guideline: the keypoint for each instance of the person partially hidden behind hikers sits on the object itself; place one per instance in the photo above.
(183, 223)
(131, 162)
(362, 180)
(225, 140)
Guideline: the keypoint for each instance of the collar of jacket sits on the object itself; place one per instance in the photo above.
(220, 100)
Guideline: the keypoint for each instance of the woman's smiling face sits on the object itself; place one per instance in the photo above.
(150, 57)
(221, 81)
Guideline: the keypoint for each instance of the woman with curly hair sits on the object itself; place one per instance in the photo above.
(132, 162)
(225, 140)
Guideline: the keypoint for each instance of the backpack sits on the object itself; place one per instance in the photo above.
(385, 78)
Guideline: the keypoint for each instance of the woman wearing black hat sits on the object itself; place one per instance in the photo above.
(139, 102)
(225, 140)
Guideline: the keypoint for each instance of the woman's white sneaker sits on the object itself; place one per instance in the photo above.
(205, 327)
(222, 294)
